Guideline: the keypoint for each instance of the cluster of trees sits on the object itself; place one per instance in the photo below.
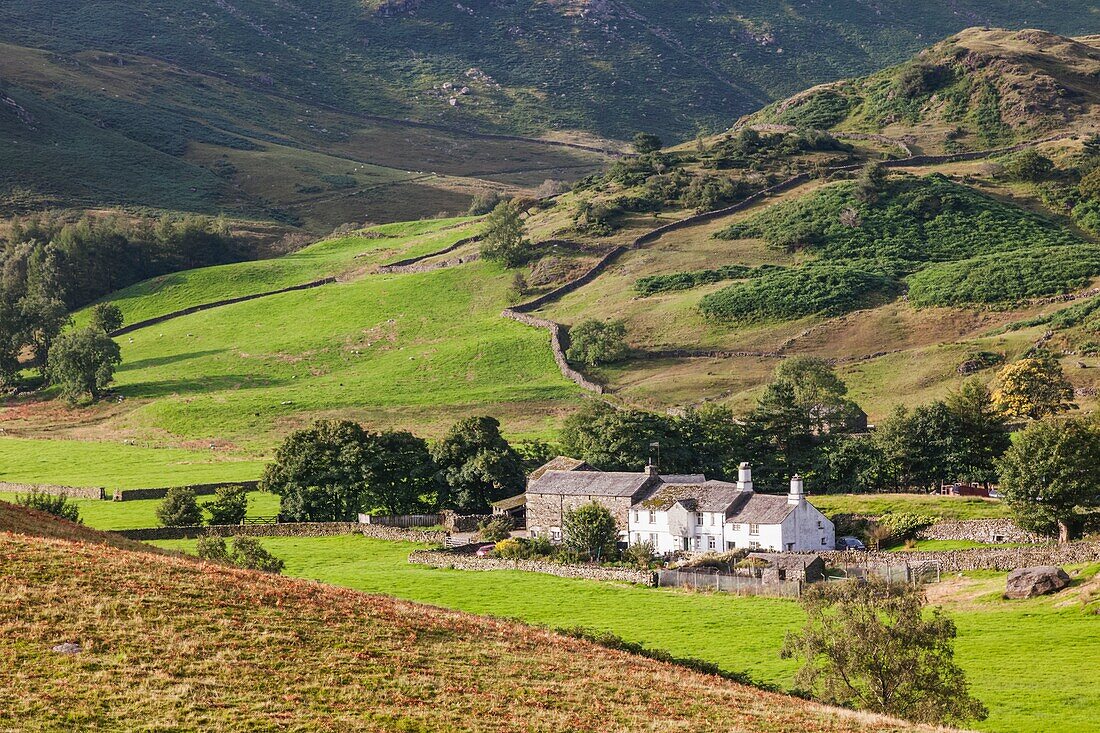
(48, 267)
(93, 256)
(58, 505)
(180, 508)
(334, 470)
(245, 552)
(595, 343)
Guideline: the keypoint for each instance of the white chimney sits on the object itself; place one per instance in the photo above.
(744, 477)
(650, 469)
(797, 495)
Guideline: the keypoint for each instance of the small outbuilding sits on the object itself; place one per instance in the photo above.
(787, 566)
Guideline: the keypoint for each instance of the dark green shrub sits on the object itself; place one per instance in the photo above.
(248, 553)
(213, 548)
(1005, 278)
(593, 343)
(55, 504)
(495, 528)
(796, 292)
(230, 505)
(179, 509)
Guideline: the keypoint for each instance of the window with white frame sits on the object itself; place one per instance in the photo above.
(713, 521)
(736, 527)
(555, 534)
(652, 517)
(712, 543)
(697, 543)
(754, 545)
(699, 519)
(636, 520)
(731, 545)
(754, 529)
(653, 539)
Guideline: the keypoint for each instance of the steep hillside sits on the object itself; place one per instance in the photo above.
(20, 520)
(320, 113)
(171, 643)
(978, 89)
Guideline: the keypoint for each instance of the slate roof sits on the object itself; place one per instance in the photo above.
(561, 463)
(705, 496)
(512, 502)
(761, 509)
(589, 483)
(685, 478)
(787, 560)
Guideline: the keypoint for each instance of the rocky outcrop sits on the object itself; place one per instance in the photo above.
(1037, 581)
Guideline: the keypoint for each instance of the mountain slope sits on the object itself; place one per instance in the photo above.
(317, 113)
(978, 89)
(168, 642)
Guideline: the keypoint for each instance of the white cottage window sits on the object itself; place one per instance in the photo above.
(754, 529)
(653, 539)
(699, 518)
(711, 544)
(636, 516)
(652, 517)
(737, 528)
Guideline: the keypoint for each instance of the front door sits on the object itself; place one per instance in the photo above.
(686, 544)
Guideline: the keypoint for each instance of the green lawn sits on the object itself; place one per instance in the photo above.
(180, 290)
(116, 465)
(141, 514)
(1036, 666)
(945, 507)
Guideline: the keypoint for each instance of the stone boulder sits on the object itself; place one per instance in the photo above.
(1037, 581)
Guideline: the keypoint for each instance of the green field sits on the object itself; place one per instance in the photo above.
(142, 513)
(1036, 664)
(933, 505)
(117, 466)
(417, 342)
(326, 258)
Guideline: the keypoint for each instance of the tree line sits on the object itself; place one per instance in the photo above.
(50, 267)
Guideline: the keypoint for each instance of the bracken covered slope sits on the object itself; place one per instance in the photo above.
(170, 643)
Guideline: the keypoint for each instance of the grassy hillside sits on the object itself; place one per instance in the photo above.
(386, 664)
(1033, 663)
(979, 89)
(316, 114)
(18, 520)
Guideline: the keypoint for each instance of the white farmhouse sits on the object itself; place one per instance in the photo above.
(713, 516)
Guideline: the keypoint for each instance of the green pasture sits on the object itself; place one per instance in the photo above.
(115, 465)
(142, 513)
(329, 257)
(1035, 664)
(934, 505)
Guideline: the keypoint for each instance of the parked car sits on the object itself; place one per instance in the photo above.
(850, 543)
(485, 550)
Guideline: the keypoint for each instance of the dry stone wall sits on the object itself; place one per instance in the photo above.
(992, 558)
(586, 572)
(993, 531)
(198, 489)
(289, 529)
(73, 492)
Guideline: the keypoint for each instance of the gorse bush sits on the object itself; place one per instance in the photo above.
(797, 292)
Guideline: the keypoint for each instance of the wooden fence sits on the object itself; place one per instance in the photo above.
(402, 521)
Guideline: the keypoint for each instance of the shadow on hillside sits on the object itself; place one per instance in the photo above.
(197, 385)
(129, 366)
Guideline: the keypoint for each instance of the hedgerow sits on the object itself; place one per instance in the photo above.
(1005, 278)
(826, 289)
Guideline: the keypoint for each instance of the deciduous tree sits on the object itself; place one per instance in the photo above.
(505, 239)
(82, 363)
(1051, 473)
(594, 343)
(873, 646)
(1033, 388)
(106, 317)
(179, 508)
(476, 465)
(591, 531)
